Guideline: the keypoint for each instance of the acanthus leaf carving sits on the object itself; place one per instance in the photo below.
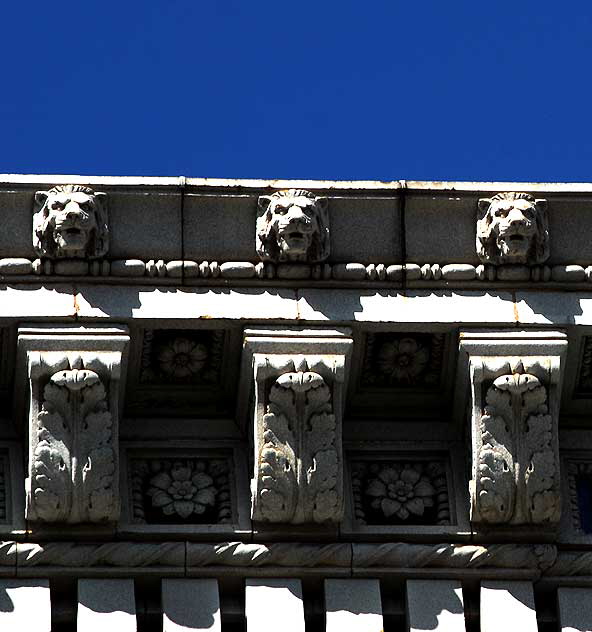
(73, 431)
(515, 440)
(299, 459)
(297, 423)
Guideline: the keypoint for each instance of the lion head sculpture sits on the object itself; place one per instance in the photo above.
(293, 226)
(513, 229)
(70, 221)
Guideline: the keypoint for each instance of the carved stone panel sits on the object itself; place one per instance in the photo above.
(515, 440)
(73, 427)
(177, 489)
(70, 221)
(298, 473)
(402, 360)
(400, 492)
(513, 229)
(293, 226)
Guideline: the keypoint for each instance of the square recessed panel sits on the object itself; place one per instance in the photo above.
(399, 490)
(394, 360)
(180, 489)
(183, 373)
(402, 374)
(182, 357)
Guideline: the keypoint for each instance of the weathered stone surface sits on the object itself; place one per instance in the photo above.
(128, 267)
(349, 271)
(190, 304)
(575, 609)
(237, 270)
(353, 605)
(106, 604)
(459, 272)
(190, 604)
(435, 604)
(513, 272)
(415, 306)
(16, 265)
(70, 267)
(446, 555)
(570, 273)
(146, 224)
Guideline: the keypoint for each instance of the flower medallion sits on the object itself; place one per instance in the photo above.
(402, 359)
(183, 491)
(387, 492)
(182, 357)
(401, 491)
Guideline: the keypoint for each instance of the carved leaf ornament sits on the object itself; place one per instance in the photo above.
(517, 479)
(298, 461)
(74, 461)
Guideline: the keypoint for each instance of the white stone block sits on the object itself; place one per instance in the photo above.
(274, 604)
(434, 604)
(28, 301)
(507, 606)
(353, 605)
(575, 609)
(415, 307)
(16, 599)
(119, 302)
(106, 604)
(190, 604)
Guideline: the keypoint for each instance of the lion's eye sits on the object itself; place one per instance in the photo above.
(281, 210)
(57, 206)
(502, 212)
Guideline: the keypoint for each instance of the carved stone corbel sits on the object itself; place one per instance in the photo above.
(515, 390)
(299, 383)
(74, 377)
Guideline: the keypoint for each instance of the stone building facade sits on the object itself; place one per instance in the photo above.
(257, 405)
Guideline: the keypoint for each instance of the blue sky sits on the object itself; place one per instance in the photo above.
(378, 89)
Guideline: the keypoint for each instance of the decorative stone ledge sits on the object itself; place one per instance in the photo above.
(293, 558)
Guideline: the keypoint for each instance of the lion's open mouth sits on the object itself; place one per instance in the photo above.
(516, 238)
(73, 232)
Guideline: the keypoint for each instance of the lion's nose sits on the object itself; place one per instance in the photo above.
(72, 212)
(515, 217)
(296, 213)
